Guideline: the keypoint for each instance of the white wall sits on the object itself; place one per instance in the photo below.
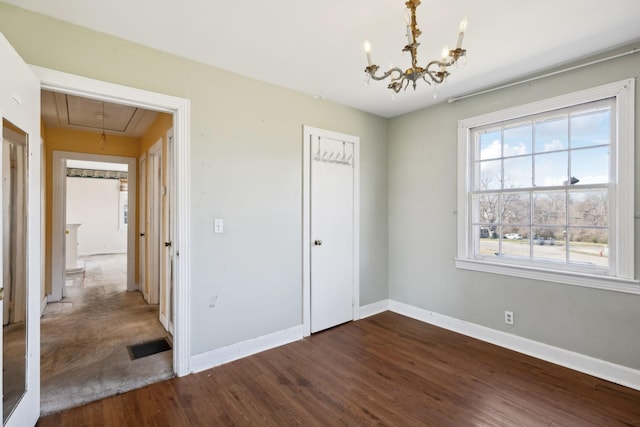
(423, 232)
(246, 168)
(94, 203)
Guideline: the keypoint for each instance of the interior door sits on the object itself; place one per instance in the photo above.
(154, 211)
(332, 232)
(166, 292)
(20, 270)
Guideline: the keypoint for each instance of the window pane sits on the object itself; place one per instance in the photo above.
(548, 244)
(515, 208)
(590, 166)
(490, 146)
(551, 135)
(485, 208)
(487, 242)
(490, 175)
(589, 246)
(549, 208)
(551, 169)
(517, 172)
(589, 208)
(515, 242)
(591, 128)
(517, 139)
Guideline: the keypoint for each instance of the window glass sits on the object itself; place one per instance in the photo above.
(489, 144)
(517, 139)
(590, 166)
(551, 134)
(551, 169)
(591, 128)
(529, 201)
(517, 172)
(490, 175)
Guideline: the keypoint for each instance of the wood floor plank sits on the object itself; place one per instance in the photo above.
(383, 370)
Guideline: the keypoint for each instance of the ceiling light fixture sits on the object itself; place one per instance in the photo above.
(103, 137)
(434, 73)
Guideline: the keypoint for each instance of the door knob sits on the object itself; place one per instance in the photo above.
(141, 234)
(167, 244)
(318, 242)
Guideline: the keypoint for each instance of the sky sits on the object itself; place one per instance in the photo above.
(548, 151)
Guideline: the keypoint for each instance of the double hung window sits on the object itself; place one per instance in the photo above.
(546, 190)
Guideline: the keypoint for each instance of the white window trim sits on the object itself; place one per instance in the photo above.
(623, 224)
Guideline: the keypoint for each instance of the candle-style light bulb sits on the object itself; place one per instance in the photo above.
(367, 49)
(463, 28)
(409, 34)
(445, 53)
(445, 57)
(463, 25)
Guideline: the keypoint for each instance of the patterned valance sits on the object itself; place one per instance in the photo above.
(94, 173)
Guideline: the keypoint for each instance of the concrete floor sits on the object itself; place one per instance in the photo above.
(84, 338)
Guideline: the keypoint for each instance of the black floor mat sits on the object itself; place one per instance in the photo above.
(148, 348)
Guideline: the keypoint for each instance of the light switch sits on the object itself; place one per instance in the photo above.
(218, 226)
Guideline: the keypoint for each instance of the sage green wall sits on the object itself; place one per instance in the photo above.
(422, 233)
(246, 167)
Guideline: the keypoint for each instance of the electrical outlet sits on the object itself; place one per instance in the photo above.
(508, 317)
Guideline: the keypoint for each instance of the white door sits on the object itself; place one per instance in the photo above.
(154, 213)
(166, 292)
(332, 231)
(20, 115)
(142, 228)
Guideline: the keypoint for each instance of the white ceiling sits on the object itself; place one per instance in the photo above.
(315, 47)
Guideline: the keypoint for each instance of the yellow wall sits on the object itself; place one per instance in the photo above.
(157, 130)
(57, 139)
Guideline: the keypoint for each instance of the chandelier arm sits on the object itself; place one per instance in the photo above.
(374, 68)
(434, 73)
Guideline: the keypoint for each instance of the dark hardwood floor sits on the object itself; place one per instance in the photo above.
(383, 370)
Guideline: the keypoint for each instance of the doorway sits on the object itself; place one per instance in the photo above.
(87, 335)
(330, 229)
(180, 108)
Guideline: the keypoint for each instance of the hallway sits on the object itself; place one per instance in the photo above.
(84, 338)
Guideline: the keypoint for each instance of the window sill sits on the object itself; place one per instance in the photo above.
(609, 283)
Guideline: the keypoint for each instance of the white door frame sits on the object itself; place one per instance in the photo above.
(308, 132)
(58, 215)
(142, 226)
(180, 108)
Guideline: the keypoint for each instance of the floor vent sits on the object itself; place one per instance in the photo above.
(148, 348)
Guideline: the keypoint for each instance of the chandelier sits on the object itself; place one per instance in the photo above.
(435, 71)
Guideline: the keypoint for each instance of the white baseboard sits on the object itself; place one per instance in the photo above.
(589, 365)
(373, 309)
(43, 305)
(164, 322)
(213, 358)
